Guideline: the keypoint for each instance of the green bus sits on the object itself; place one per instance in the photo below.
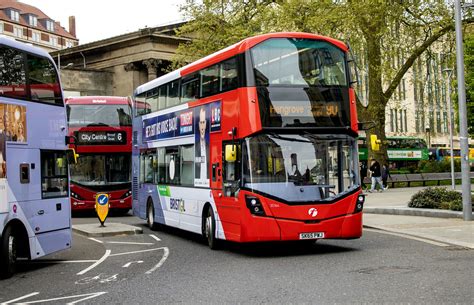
(402, 151)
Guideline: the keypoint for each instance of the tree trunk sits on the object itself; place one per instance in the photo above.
(375, 111)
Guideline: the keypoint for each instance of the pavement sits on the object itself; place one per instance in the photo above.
(386, 211)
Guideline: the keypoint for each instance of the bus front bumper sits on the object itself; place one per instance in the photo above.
(274, 229)
(83, 205)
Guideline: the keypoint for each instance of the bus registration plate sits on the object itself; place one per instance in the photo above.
(312, 235)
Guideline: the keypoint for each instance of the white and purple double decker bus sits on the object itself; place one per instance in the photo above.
(35, 215)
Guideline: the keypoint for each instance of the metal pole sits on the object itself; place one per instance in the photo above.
(463, 137)
(451, 127)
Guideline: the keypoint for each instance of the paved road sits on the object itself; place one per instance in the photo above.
(175, 267)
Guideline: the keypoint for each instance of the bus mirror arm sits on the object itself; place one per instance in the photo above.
(233, 133)
(366, 125)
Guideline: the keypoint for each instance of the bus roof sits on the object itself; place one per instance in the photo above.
(88, 100)
(231, 51)
(26, 47)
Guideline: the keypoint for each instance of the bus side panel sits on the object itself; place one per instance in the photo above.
(250, 121)
(17, 155)
(50, 242)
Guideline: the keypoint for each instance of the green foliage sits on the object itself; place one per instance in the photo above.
(386, 36)
(443, 166)
(469, 67)
(436, 198)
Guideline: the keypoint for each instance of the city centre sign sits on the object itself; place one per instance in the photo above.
(101, 137)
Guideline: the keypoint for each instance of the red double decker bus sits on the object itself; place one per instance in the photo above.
(102, 127)
(257, 142)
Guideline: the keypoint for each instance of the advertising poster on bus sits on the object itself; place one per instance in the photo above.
(201, 146)
(12, 129)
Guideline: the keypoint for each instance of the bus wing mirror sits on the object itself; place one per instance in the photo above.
(71, 140)
(71, 156)
(230, 153)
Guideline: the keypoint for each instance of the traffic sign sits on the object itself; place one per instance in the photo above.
(102, 207)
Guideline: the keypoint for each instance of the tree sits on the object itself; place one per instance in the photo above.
(469, 65)
(379, 30)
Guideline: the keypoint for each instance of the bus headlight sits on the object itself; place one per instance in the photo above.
(360, 203)
(127, 194)
(76, 196)
(254, 205)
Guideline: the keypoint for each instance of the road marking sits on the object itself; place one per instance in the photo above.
(161, 262)
(139, 251)
(21, 298)
(84, 297)
(407, 236)
(155, 237)
(129, 243)
(129, 263)
(96, 240)
(103, 258)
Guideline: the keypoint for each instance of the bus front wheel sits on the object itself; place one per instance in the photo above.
(8, 253)
(210, 230)
(150, 216)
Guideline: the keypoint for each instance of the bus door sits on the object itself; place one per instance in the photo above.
(229, 188)
(52, 212)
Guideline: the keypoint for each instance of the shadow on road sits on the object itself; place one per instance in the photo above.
(263, 249)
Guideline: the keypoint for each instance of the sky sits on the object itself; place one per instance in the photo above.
(101, 19)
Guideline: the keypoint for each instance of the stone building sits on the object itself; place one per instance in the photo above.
(117, 65)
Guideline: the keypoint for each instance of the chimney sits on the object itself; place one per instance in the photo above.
(72, 26)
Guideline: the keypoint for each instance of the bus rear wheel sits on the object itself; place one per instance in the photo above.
(8, 253)
(210, 230)
(150, 216)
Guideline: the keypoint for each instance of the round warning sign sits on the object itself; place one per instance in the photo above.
(103, 199)
(102, 207)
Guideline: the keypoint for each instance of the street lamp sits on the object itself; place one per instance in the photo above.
(463, 135)
(451, 124)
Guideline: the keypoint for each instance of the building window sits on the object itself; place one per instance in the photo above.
(401, 120)
(417, 121)
(53, 41)
(15, 15)
(1, 27)
(438, 121)
(396, 120)
(445, 122)
(404, 92)
(406, 123)
(391, 120)
(50, 25)
(18, 32)
(36, 36)
(69, 44)
(32, 20)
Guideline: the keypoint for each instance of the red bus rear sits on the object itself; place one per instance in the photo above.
(102, 127)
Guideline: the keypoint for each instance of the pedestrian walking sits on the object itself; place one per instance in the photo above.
(376, 174)
(385, 175)
(363, 174)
